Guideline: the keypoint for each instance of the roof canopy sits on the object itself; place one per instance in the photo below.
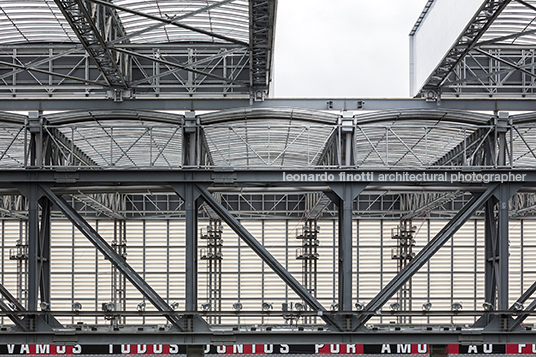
(474, 48)
(134, 48)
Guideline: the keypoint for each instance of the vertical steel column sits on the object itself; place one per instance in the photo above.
(345, 249)
(345, 193)
(490, 234)
(44, 250)
(191, 247)
(503, 245)
(33, 248)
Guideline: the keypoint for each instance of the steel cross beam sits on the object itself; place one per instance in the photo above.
(64, 143)
(266, 256)
(528, 293)
(32, 68)
(466, 148)
(7, 295)
(523, 316)
(529, 308)
(426, 253)
(508, 63)
(109, 253)
(179, 66)
(173, 21)
(90, 35)
(13, 317)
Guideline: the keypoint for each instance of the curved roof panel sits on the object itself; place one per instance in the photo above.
(32, 21)
(124, 49)
(231, 19)
(305, 115)
(35, 21)
(272, 138)
(514, 26)
(130, 116)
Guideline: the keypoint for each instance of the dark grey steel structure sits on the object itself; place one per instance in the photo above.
(125, 69)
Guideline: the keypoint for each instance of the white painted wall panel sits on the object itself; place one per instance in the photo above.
(445, 22)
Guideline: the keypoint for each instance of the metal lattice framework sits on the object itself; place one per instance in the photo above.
(492, 57)
(127, 49)
(145, 119)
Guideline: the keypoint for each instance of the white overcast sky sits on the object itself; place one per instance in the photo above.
(343, 48)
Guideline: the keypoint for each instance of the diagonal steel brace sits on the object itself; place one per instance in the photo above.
(266, 256)
(529, 308)
(112, 256)
(426, 253)
(17, 306)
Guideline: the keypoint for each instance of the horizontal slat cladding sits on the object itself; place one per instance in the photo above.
(156, 250)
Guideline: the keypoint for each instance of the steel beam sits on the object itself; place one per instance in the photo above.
(13, 317)
(346, 192)
(191, 247)
(503, 243)
(414, 336)
(267, 257)
(33, 247)
(491, 269)
(427, 252)
(526, 295)
(109, 253)
(261, 33)
(64, 143)
(83, 22)
(200, 103)
(465, 149)
(7, 295)
(174, 21)
(522, 316)
(346, 239)
(43, 253)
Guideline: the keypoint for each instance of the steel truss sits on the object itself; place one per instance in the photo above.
(58, 160)
(39, 186)
(115, 61)
(492, 57)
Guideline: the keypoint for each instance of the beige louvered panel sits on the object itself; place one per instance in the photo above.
(529, 260)
(514, 261)
(463, 265)
(12, 233)
(275, 238)
(251, 288)
(156, 233)
(61, 266)
(202, 293)
(177, 232)
(105, 230)
(177, 258)
(171, 282)
(61, 234)
(327, 254)
(134, 246)
(370, 256)
(203, 280)
(326, 294)
(156, 256)
(177, 271)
